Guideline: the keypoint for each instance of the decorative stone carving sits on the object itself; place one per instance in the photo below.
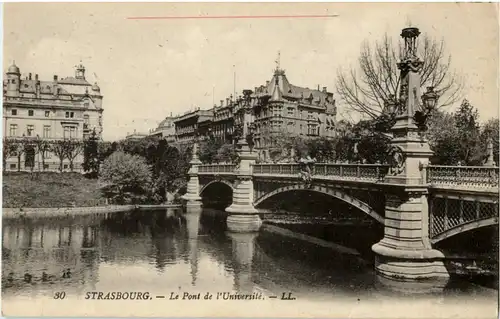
(397, 160)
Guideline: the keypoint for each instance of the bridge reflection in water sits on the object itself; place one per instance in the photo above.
(164, 250)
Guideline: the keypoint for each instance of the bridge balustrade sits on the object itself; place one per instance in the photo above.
(372, 172)
(463, 176)
(216, 168)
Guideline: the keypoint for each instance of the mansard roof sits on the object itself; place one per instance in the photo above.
(280, 89)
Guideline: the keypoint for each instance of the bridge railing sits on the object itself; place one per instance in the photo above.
(216, 168)
(372, 172)
(466, 176)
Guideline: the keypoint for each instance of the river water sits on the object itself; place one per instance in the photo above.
(58, 266)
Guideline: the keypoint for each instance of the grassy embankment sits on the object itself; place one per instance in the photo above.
(50, 190)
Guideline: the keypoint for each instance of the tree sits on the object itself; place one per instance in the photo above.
(127, 178)
(209, 149)
(73, 148)
(466, 121)
(91, 159)
(9, 149)
(42, 147)
(322, 149)
(367, 88)
(373, 148)
(59, 150)
(172, 176)
(227, 153)
(442, 135)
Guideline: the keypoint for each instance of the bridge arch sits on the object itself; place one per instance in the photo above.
(464, 228)
(215, 182)
(328, 191)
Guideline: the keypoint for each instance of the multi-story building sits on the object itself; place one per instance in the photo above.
(223, 120)
(66, 108)
(192, 123)
(276, 108)
(166, 129)
(282, 108)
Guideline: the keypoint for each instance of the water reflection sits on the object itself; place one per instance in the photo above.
(243, 246)
(163, 251)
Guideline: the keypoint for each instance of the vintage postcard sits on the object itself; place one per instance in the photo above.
(333, 160)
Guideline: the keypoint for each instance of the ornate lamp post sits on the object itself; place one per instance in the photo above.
(405, 252)
(193, 187)
(429, 102)
(243, 217)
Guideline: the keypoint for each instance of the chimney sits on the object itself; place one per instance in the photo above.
(36, 77)
(221, 103)
(29, 76)
(267, 83)
(227, 101)
(55, 78)
(324, 89)
(255, 89)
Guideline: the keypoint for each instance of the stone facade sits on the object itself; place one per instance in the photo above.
(190, 123)
(166, 129)
(66, 108)
(275, 108)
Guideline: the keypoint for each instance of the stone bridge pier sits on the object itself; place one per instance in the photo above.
(243, 217)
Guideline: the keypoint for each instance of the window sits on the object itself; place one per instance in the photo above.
(31, 112)
(47, 113)
(45, 166)
(72, 114)
(13, 166)
(47, 154)
(86, 119)
(65, 166)
(290, 111)
(30, 130)
(70, 132)
(13, 130)
(14, 112)
(67, 114)
(46, 131)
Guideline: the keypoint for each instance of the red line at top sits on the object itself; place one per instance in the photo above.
(235, 17)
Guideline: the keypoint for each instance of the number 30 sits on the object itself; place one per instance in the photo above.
(60, 295)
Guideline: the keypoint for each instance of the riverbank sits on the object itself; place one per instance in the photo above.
(50, 190)
(40, 212)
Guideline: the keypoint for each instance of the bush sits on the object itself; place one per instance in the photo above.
(126, 178)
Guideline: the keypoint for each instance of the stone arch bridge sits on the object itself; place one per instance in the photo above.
(442, 202)
(459, 199)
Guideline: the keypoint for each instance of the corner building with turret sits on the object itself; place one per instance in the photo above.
(65, 108)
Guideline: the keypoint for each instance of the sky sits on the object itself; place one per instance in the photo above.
(148, 69)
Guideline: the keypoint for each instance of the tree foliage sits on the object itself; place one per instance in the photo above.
(91, 158)
(127, 178)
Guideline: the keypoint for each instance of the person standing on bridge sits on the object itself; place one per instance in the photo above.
(306, 168)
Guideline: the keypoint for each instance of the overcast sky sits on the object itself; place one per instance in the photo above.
(149, 68)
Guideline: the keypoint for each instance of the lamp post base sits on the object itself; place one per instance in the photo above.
(405, 265)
